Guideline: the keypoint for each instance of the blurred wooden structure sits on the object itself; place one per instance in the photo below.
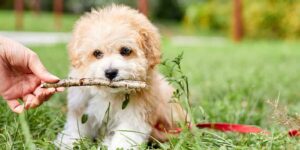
(35, 5)
(19, 8)
(237, 21)
(143, 6)
(58, 10)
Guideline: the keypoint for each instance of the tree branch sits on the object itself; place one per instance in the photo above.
(130, 84)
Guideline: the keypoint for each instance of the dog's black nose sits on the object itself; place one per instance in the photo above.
(111, 73)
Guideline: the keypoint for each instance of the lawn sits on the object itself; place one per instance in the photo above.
(229, 83)
(32, 22)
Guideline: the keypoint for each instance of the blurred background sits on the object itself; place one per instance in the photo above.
(238, 54)
(237, 19)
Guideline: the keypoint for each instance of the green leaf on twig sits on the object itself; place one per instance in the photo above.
(126, 101)
(84, 118)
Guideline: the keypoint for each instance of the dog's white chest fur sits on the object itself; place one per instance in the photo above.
(125, 127)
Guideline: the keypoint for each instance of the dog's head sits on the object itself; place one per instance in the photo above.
(115, 43)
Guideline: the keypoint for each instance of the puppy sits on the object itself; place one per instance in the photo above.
(117, 43)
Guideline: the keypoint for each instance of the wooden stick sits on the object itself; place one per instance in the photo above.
(130, 84)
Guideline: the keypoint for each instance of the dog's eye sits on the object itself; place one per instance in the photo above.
(98, 54)
(125, 51)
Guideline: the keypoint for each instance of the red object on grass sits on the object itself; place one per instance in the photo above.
(294, 133)
(226, 127)
(231, 127)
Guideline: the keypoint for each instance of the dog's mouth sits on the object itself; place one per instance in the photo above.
(111, 83)
(122, 85)
(113, 87)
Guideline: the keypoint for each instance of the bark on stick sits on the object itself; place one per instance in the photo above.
(130, 84)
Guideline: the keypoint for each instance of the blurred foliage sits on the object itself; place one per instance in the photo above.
(169, 9)
(73, 6)
(80, 6)
(205, 15)
(262, 19)
(6, 4)
(159, 9)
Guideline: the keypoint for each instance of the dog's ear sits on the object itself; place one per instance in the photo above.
(74, 55)
(150, 43)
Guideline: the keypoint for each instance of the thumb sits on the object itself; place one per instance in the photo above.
(36, 66)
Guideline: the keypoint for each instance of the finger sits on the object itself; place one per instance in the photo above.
(41, 95)
(28, 99)
(48, 93)
(15, 106)
(60, 89)
(42, 92)
(36, 66)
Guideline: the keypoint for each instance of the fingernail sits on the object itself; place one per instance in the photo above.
(19, 109)
(54, 77)
(51, 77)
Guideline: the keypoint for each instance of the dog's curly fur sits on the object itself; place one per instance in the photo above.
(108, 30)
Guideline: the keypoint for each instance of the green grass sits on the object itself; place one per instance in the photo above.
(43, 22)
(229, 83)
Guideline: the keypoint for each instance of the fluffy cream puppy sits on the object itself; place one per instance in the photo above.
(117, 43)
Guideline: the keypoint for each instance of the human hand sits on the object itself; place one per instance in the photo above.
(21, 73)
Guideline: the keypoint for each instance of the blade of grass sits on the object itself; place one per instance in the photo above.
(26, 132)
